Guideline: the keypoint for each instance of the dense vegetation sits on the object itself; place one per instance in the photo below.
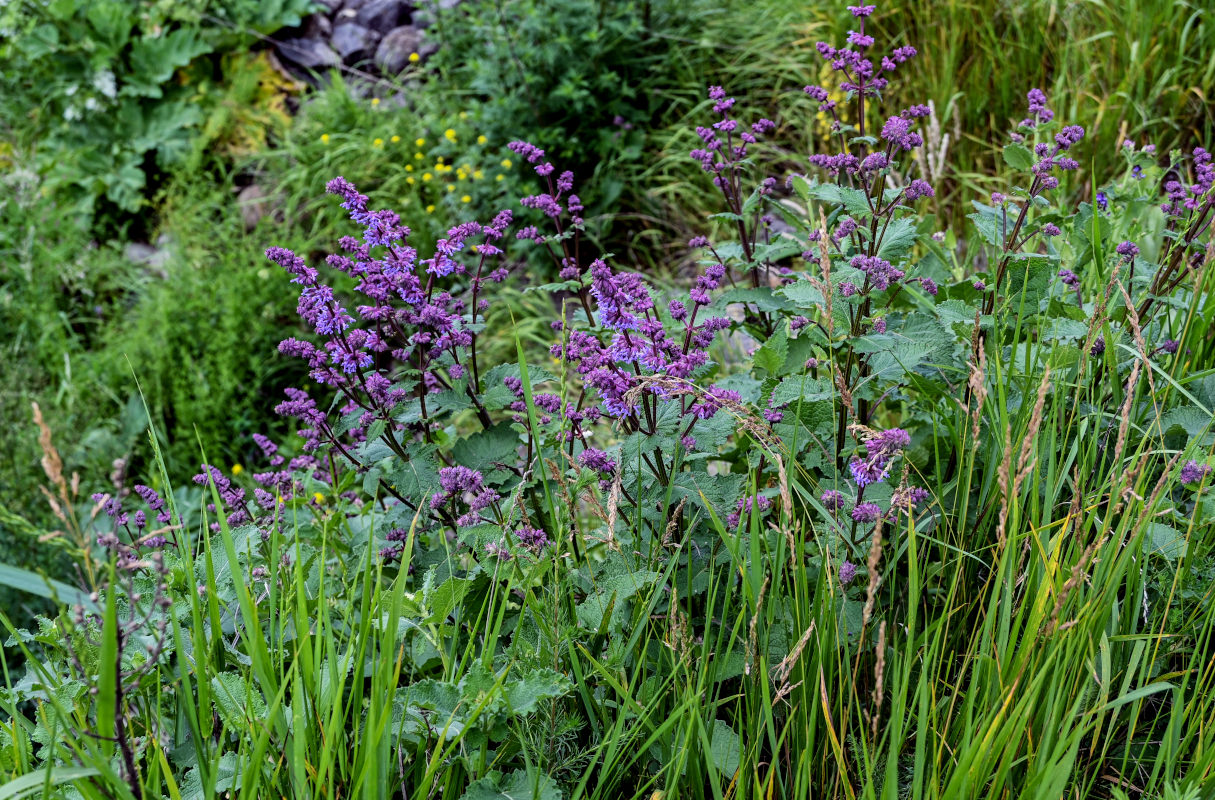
(842, 430)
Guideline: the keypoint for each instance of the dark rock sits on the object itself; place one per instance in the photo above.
(309, 53)
(392, 56)
(383, 15)
(353, 5)
(318, 26)
(354, 42)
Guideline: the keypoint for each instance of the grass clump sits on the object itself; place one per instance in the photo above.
(865, 507)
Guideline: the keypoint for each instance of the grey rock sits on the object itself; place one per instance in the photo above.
(331, 5)
(254, 204)
(353, 5)
(392, 56)
(383, 15)
(309, 53)
(354, 42)
(345, 15)
(152, 258)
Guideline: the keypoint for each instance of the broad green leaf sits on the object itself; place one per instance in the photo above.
(1018, 156)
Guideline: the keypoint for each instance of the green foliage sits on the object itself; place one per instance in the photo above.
(104, 89)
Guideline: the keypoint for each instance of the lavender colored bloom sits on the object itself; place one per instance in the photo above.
(1098, 347)
(1103, 202)
(1039, 113)
(861, 11)
(848, 572)
(867, 471)
(1127, 250)
(597, 460)
(832, 500)
(532, 538)
(1193, 472)
(866, 512)
(1069, 278)
(745, 506)
(1051, 229)
(879, 271)
(1170, 346)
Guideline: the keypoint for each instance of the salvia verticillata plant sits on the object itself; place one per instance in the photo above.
(850, 433)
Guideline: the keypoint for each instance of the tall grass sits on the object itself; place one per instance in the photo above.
(1025, 638)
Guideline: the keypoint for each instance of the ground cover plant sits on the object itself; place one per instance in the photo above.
(869, 506)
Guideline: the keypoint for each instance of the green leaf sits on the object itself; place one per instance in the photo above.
(154, 59)
(485, 450)
(898, 239)
(26, 785)
(239, 704)
(1192, 420)
(1018, 156)
(771, 356)
(516, 786)
(524, 694)
(1164, 540)
(725, 749)
(23, 580)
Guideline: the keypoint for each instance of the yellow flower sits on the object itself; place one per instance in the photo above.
(450, 134)
(478, 175)
(418, 156)
(450, 188)
(465, 199)
(410, 180)
(409, 167)
(430, 209)
(324, 138)
(461, 174)
(237, 469)
(438, 159)
(463, 115)
(499, 177)
(482, 140)
(414, 58)
(377, 142)
(395, 139)
(375, 101)
(426, 176)
(419, 141)
(318, 497)
(506, 162)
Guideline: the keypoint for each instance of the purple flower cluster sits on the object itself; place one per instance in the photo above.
(1185, 197)
(1194, 471)
(462, 486)
(725, 143)
(1051, 157)
(744, 508)
(532, 538)
(881, 449)
(406, 319)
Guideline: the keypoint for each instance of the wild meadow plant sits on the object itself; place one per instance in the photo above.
(942, 532)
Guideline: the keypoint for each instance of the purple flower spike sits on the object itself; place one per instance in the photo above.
(848, 572)
(1193, 472)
